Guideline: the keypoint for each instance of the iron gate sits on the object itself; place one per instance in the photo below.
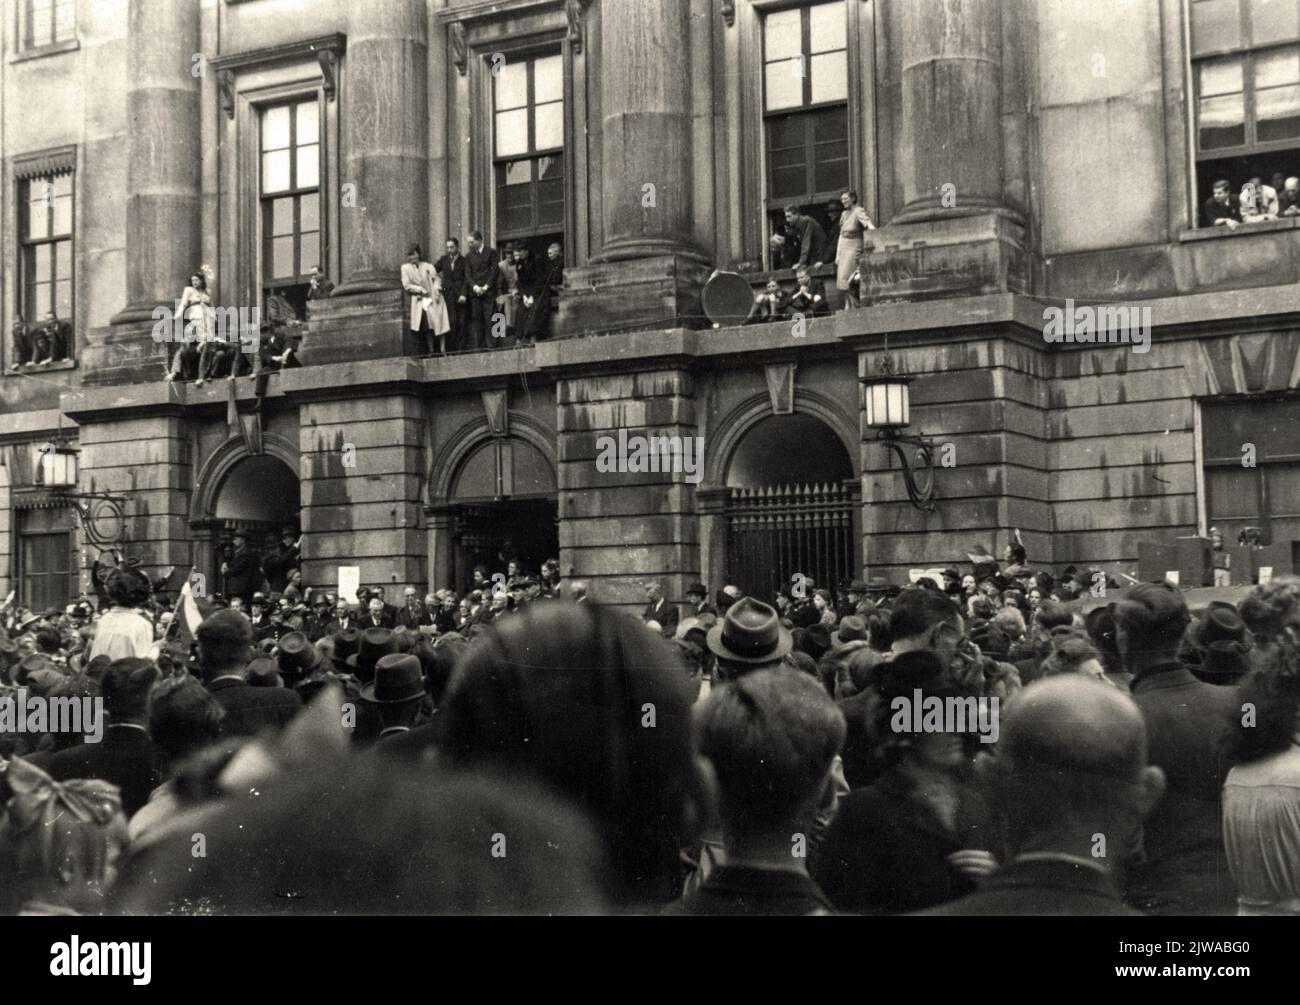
(776, 531)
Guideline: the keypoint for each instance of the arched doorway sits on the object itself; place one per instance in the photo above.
(791, 506)
(502, 507)
(257, 495)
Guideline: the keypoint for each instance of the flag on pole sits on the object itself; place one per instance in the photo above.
(252, 435)
(189, 615)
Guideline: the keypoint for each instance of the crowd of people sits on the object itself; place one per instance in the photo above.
(800, 242)
(1255, 203)
(526, 748)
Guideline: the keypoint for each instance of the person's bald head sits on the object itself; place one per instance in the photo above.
(1072, 764)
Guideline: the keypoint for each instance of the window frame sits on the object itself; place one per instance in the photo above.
(266, 284)
(25, 576)
(859, 21)
(24, 37)
(27, 250)
(1247, 50)
(533, 154)
(1258, 471)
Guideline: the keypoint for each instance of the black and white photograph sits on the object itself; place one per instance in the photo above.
(644, 459)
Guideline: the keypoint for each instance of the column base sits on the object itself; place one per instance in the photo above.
(955, 256)
(372, 325)
(637, 294)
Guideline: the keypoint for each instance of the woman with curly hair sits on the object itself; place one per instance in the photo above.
(124, 632)
(1261, 795)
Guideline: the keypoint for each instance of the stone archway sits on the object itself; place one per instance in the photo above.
(782, 495)
(257, 494)
(492, 497)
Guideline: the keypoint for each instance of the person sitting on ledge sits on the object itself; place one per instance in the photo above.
(771, 305)
(810, 297)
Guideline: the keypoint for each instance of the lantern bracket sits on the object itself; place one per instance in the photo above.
(918, 475)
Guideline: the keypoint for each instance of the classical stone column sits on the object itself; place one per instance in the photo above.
(164, 155)
(646, 129)
(385, 143)
(951, 131)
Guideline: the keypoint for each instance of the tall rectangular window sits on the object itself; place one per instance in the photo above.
(1246, 94)
(46, 576)
(47, 22)
(1266, 492)
(806, 108)
(290, 198)
(45, 260)
(528, 151)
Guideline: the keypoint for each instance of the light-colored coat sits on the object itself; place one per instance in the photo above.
(421, 281)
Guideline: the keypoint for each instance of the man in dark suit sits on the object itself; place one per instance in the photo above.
(1185, 870)
(242, 570)
(413, 614)
(660, 610)
(697, 599)
(809, 235)
(283, 560)
(377, 615)
(809, 298)
(125, 756)
(451, 270)
(261, 623)
(225, 649)
(1070, 779)
(482, 276)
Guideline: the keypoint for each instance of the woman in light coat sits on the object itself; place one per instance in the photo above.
(854, 224)
(428, 309)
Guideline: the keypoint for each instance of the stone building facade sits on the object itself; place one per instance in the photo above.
(1016, 155)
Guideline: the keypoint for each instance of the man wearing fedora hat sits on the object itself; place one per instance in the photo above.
(697, 597)
(749, 637)
(373, 644)
(397, 692)
(297, 657)
(1185, 870)
(1219, 646)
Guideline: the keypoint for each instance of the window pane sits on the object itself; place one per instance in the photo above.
(309, 212)
(63, 259)
(831, 166)
(275, 128)
(512, 85)
(62, 184)
(281, 217)
(308, 124)
(65, 16)
(548, 126)
(275, 171)
(1221, 122)
(826, 28)
(62, 215)
(1232, 493)
(44, 260)
(549, 168)
(40, 24)
(309, 253)
(830, 76)
(1216, 24)
(1274, 20)
(548, 79)
(784, 82)
(308, 166)
(1277, 113)
(38, 213)
(1277, 67)
(42, 292)
(282, 257)
(782, 35)
(512, 132)
(518, 172)
(1219, 76)
(63, 298)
